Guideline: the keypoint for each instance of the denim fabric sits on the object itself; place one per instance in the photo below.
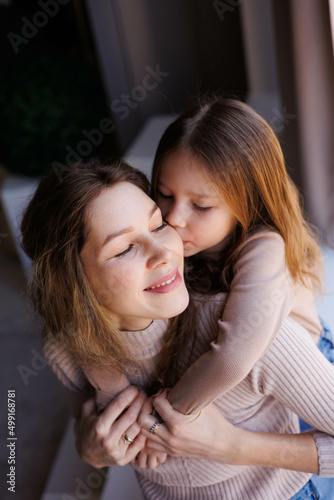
(324, 487)
(326, 346)
(326, 343)
(309, 492)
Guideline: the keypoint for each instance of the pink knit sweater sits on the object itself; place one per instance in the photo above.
(261, 297)
(293, 377)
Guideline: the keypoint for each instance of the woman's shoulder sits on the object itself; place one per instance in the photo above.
(63, 364)
(293, 345)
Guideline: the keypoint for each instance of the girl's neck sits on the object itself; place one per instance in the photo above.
(215, 253)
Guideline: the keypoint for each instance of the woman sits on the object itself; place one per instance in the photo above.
(107, 275)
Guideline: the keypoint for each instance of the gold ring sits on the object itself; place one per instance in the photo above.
(126, 439)
(154, 427)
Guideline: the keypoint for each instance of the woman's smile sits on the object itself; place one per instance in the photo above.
(169, 283)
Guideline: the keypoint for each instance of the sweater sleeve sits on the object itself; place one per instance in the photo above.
(296, 373)
(80, 384)
(69, 373)
(260, 298)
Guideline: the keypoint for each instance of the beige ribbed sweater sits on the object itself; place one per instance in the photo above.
(261, 297)
(293, 377)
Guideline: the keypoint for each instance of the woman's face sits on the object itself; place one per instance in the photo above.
(133, 260)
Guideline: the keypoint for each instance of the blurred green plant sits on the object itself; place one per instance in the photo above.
(46, 100)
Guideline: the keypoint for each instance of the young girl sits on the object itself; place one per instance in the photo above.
(220, 180)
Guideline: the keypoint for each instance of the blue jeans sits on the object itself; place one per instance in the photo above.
(309, 492)
(326, 343)
(326, 346)
(319, 487)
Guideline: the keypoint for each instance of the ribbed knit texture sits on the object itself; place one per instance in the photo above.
(292, 377)
(325, 452)
(261, 297)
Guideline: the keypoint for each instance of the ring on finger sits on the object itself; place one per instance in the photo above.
(126, 439)
(154, 427)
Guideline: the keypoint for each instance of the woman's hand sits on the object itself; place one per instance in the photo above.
(149, 458)
(99, 437)
(208, 435)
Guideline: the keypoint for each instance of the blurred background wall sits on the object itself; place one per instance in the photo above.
(69, 64)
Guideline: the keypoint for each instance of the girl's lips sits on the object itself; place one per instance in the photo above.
(171, 283)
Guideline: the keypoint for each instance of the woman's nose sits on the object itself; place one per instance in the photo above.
(159, 254)
(176, 216)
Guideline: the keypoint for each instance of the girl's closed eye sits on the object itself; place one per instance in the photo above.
(200, 209)
(163, 195)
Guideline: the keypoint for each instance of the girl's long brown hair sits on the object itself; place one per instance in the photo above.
(242, 155)
(54, 231)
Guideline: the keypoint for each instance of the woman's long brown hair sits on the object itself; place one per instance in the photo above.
(241, 154)
(54, 231)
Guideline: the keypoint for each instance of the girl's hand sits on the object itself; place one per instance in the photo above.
(99, 437)
(207, 435)
(148, 457)
(210, 436)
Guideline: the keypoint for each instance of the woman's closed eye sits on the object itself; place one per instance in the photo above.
(121, 254)
(131, 246)
(161, 227)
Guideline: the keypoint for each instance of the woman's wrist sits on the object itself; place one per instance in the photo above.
(286, 451)
(232, 448)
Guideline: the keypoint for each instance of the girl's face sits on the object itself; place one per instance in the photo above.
(133, 259)
(190, 202)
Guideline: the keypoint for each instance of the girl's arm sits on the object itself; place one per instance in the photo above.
(260, 299)
(294, 372)
(212, 437)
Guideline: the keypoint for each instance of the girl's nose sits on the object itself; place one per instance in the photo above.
(176, 216)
